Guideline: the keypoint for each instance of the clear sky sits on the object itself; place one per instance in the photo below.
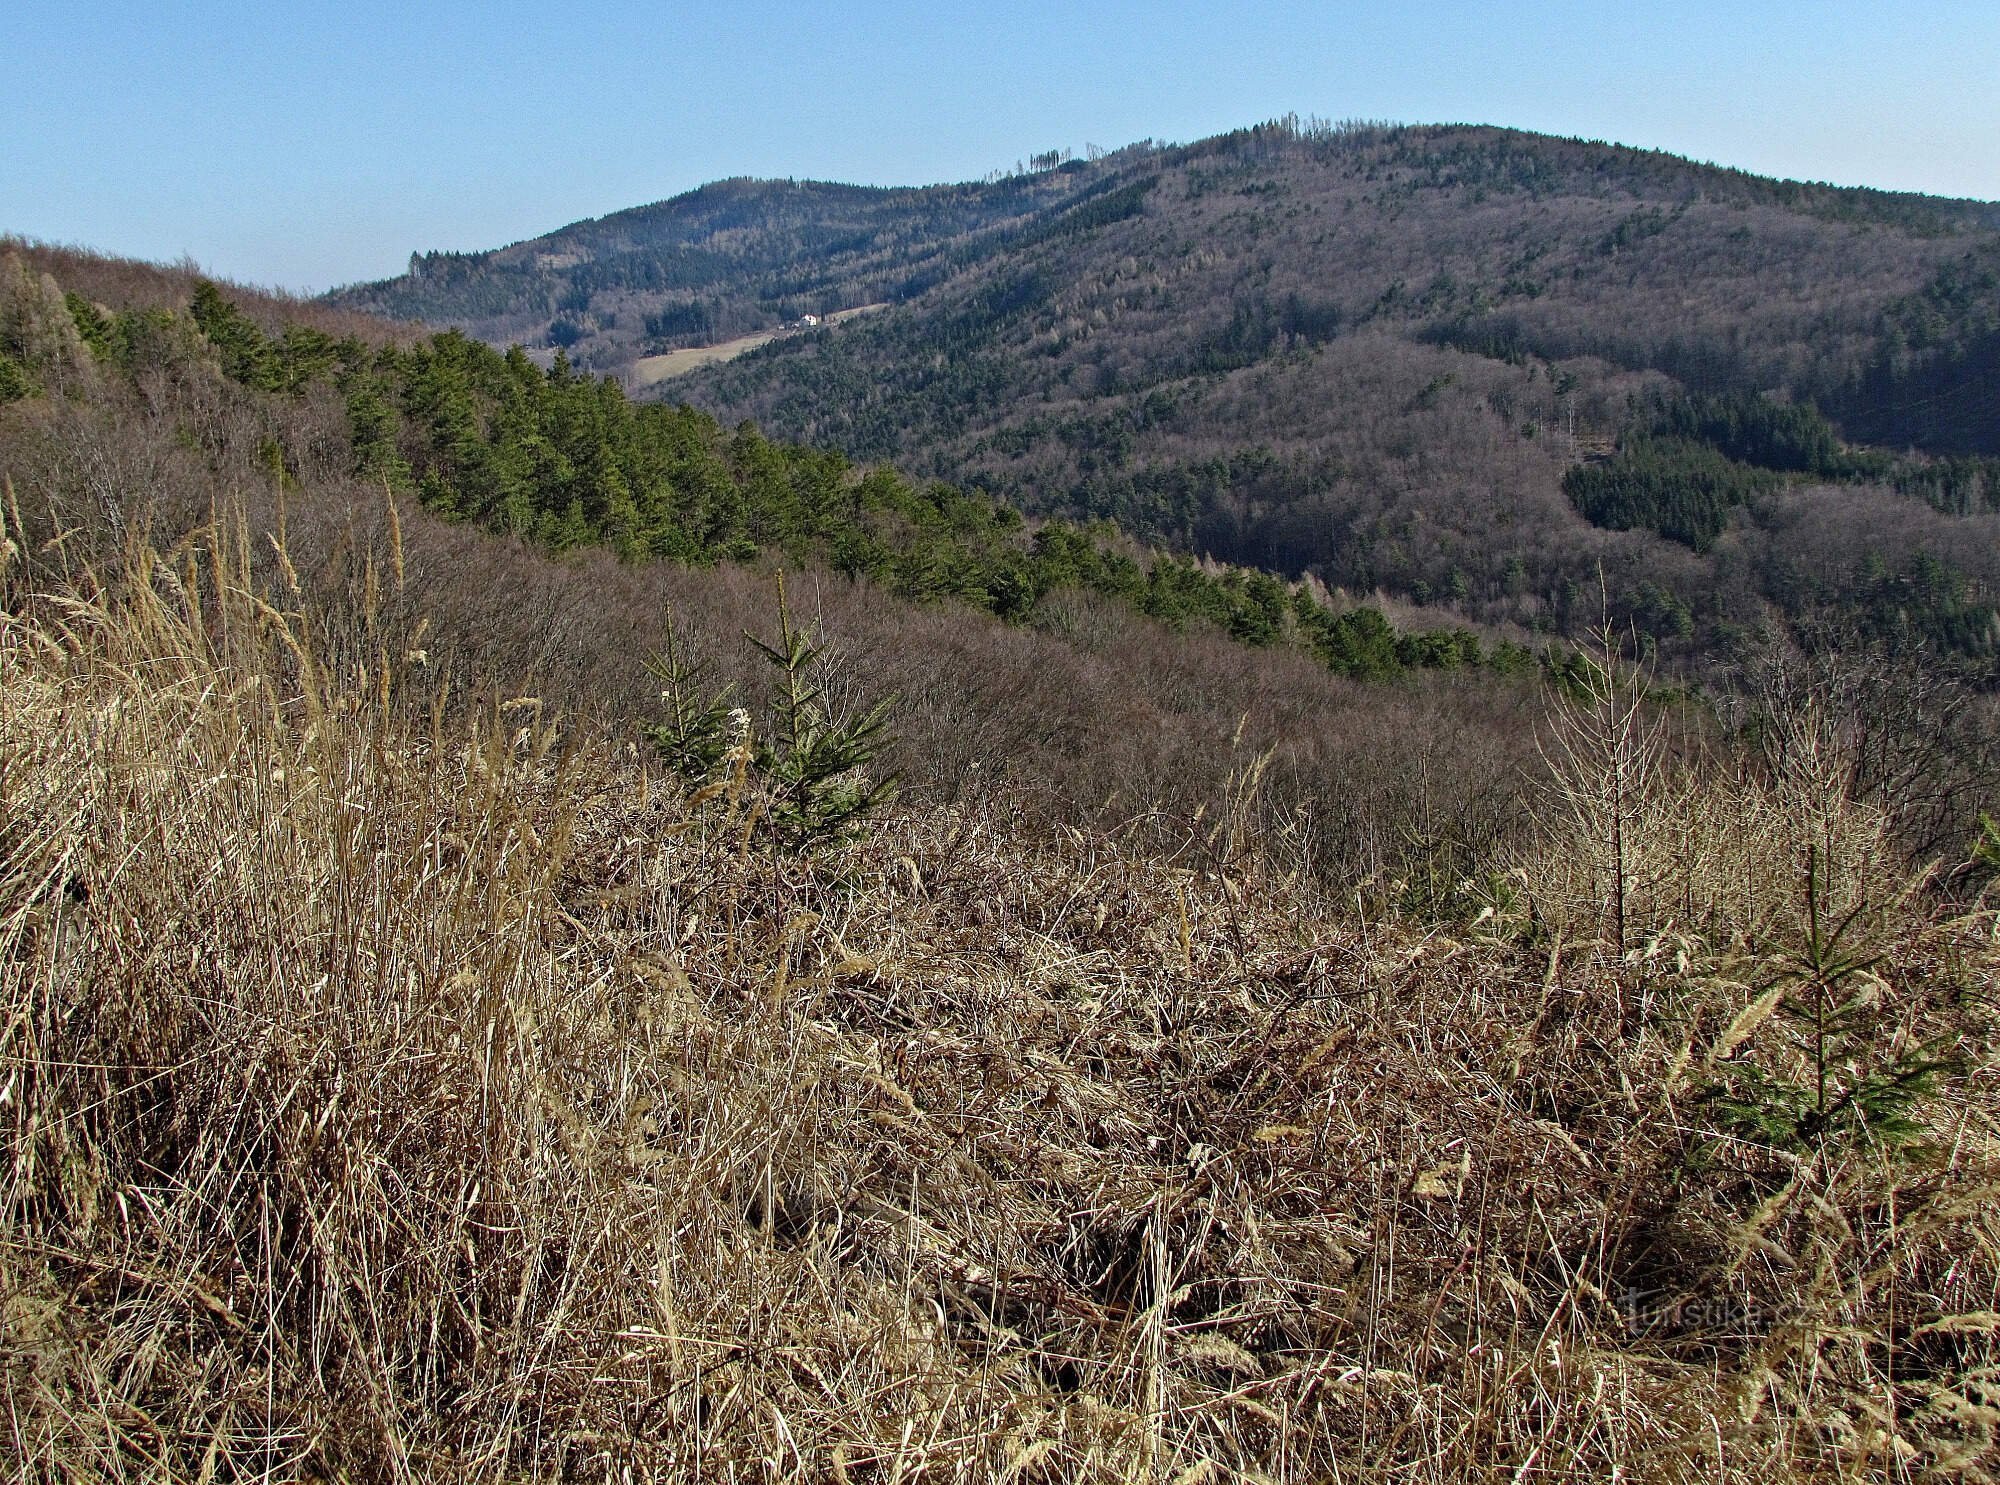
(306, 145)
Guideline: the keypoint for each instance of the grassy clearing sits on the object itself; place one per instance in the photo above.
(649, 371)
(396, 1088)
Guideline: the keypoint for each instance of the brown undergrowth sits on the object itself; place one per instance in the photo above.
(398, 1090)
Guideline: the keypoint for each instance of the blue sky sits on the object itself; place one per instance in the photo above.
(309, 145)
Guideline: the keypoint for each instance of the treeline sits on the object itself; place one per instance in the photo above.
(1491, 161)
(565, 460)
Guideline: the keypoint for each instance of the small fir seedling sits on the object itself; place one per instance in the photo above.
(813, 766)
(696, 733)
(1984, 857)
(1839, 1081)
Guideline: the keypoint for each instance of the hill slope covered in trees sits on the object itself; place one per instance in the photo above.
(1091, 677)
(1459, 363)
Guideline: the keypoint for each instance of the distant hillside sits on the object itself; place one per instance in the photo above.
(1453, 363)
(1553, 224)
(729, 259)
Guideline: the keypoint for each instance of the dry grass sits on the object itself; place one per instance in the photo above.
(395, 1090)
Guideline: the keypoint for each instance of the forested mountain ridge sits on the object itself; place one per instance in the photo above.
(1448, 363)
(728, 258)
(745, 254)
